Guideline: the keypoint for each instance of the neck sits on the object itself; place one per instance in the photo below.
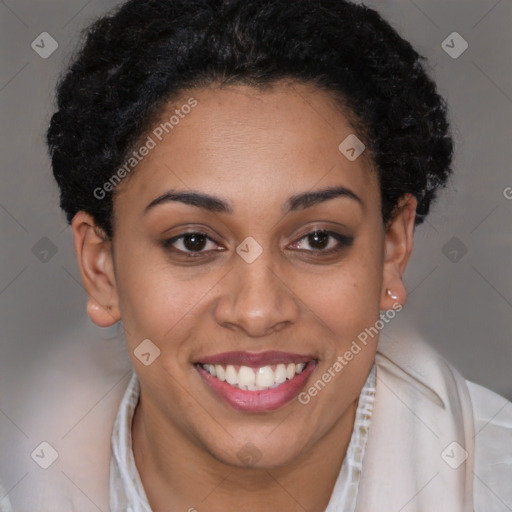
(180, 475)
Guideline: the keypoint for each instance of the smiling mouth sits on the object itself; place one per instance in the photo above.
(249, 378)
(255, 382)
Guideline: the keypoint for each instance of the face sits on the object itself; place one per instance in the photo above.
(257, 280)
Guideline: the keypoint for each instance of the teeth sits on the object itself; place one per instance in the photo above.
(264, 376)
(280, 373)
(246, 377)
(255, 379)
(231, 376)
(211, 368)
(219, 370)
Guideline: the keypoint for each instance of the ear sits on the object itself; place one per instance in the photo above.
(94, 254)
(398, 247)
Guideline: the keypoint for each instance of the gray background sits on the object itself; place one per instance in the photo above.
(460, 301)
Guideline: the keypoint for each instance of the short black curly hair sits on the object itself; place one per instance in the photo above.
(146, 52)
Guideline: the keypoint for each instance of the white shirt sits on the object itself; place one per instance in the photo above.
(127, 492)
(422, 407)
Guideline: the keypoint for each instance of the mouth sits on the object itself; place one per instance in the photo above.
(256, 382)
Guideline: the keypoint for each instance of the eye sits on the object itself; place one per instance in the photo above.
(324, 242)
(191, 242)
(195, 243)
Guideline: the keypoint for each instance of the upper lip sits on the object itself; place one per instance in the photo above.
(256, 359)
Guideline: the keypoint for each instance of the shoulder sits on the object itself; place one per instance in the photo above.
(493, 449)
(490, 406)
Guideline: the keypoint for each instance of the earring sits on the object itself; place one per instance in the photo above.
(390, 293)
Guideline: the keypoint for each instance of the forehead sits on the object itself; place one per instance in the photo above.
(274, 143)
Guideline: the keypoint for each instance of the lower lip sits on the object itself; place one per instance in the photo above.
(258, 401)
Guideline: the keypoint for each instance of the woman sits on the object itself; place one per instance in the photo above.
(243, 180)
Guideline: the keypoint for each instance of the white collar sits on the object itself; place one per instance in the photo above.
(127, 492)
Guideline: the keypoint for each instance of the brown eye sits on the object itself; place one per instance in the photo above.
(321, 241)
(191, 242)
(194, 241)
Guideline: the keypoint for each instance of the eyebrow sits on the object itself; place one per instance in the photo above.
(218, 205)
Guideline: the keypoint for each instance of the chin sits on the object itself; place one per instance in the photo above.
(257, 453)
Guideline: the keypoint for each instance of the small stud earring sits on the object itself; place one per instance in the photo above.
(390, 293)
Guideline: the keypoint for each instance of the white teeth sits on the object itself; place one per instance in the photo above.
(264, 376)
(299, 367)
(280, 373)
(211, 369)
(219, 370)
(231, 375)
(255, 379)
(256, 388)
(246, 377)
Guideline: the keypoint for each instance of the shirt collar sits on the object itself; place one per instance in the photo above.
(127, 493)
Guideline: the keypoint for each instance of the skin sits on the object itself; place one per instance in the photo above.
(255, 150)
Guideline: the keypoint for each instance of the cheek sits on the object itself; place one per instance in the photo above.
(162, 302)
(346, 299)
(153, 299)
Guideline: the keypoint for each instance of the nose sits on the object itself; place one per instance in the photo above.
(256, 299)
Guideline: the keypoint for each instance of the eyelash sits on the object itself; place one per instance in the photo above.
(344, 241)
